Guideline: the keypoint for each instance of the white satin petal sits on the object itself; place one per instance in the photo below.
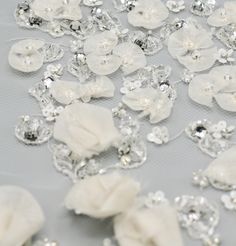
(150, 227)
(102, 196)
(20, 216)
(226, 101)
(101, 44)
(103, 65)
(133, 58)
(219, 18)
(223, 169)
(148, 14)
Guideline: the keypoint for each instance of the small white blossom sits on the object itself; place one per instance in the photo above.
(229, 200)
(175, 6)
(225, 56)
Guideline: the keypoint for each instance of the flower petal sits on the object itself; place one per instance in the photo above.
(226, 101)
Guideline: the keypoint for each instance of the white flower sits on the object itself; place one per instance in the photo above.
(20, 216)
(223, 16)
(57, 9)
(150, 227)
(103, 64)
(66, 92)
(223, 169)
(102, 196)
(151, 101)
(25, 55)
(193, 47)
(225, 75)
(87, 129)
(225, 56)
(175, 6)
(133, 58)
(101, 44)
(203, 88)
(148, 14)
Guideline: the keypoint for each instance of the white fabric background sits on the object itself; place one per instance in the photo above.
(169, 168)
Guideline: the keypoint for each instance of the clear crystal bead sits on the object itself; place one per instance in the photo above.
(32, 130)
(187, 76)
(52, 52)
(197, 215)
(155, 199)
(124, 5)
(203, 7)
(149, 43)
(227, 35)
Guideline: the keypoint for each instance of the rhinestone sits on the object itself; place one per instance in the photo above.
(32, 130)
(203, 7)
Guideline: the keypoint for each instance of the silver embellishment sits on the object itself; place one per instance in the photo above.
(155, 199)
(45, 242)
(92, 3)
(229, 200)
(159, 135)
(203, 7)
(124, 5)
(32, 130)
(175, 6)
(198, 216)
(227, 35)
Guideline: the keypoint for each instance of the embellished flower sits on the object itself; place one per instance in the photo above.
(132, 56)
(193, 47)
(86, 129)
(102, 196)
(25, 56)
(151, 101)
(57, 9)
(197, 215)
(175, 6)
(101, 44)
(225, 56)
(156, 226)
(223, 169)
(149, 15)
(223, 16)
(103, 64)
(21, 216)
(159, 135)
(155, 199)
(229, 200)
(66, 92)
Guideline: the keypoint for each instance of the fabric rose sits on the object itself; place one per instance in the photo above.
(156, 226)
(148, 14)
(193, 47)
(20, 216)
(87, 129)
(102, 196)
(57, 9)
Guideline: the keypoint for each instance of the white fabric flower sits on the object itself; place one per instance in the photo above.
(150, 227)
(66, 92)
(103, 64)
(133, 58)
(226, 101)
(148, 14)
(223, 169)
(101, 43)
(223, 16)
(193, 47)
(57, 9)
(203, 88)
(102, 86)
(102, 196)
(225, 75)
(25, 55)
(151, 101)
(87, 129)
(225, 56)
(20, 216)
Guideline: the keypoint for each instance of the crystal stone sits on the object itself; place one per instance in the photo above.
(203, 7)
(227, 35)
(52, 52)
(33, 130)
(197, 215)
(124, 5)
